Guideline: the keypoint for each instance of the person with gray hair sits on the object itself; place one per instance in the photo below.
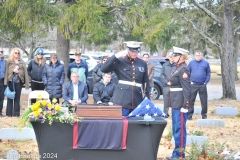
(199, 76)
(75, 92)
(167, 69)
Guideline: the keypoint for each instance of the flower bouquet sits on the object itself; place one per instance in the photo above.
(46, 110)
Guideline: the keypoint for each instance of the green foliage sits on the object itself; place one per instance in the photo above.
(198, 133)
(207, 151)
(169, 134)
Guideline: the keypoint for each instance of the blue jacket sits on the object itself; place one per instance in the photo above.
(199, 72)
(2, 67)
(53, 79)
(74, 67)
(68, 92)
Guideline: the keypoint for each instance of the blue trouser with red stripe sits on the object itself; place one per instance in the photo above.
(179, 132)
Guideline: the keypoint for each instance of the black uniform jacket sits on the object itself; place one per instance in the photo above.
(133, 70)
(180, 99)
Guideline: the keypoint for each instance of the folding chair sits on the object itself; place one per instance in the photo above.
(35, 94)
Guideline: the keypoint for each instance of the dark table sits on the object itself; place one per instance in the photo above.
(143, 139)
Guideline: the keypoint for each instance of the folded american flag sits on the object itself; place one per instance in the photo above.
(100, 134)
(147, 108)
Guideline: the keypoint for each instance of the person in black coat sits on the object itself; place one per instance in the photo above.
(103, 91)
(132, 73)
(180, 95)
(97, 73)
(53, 77)
(167, 69)
(35, 70)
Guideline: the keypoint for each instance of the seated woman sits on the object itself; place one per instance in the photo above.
(103, 91)
(75, 92)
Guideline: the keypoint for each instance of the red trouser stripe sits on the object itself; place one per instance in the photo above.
(182, 132)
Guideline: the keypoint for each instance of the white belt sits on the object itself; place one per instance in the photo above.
(130, 83)
(175, 89)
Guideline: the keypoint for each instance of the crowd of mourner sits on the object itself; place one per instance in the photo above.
(181, 83)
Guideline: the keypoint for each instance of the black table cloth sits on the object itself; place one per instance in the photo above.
(56, 141)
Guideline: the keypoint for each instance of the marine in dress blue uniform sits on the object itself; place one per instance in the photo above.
(132, 74)
(180, 94)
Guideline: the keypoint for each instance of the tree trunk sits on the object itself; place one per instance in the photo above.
(236, 37)
(227, 53)
(62, 48)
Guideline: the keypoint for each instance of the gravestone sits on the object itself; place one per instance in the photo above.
(14, 134)
(210, 123)
(226, 111)
(197, 110)
(199, 140)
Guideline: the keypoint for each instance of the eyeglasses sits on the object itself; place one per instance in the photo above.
(17, 53)
(39, 54)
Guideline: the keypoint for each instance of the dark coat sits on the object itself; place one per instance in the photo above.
(167, 69)
(68, 92)
(180, 99)
(35, 70)
(53, 79)
(104, 93)
(128, 96)
(97, 73)
(151, 71)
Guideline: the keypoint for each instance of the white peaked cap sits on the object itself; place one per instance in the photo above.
(180, 50)
(133, 44)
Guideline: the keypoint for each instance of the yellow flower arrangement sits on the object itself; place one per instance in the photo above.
(45, 110)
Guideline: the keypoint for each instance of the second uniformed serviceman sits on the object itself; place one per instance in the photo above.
(180, 92)
(132, 74)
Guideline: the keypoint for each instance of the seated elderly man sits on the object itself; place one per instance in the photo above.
(103, 91)
(75, 92)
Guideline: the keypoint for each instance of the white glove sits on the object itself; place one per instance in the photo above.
(184, 110)
(110, 103)
(99, 102)
(121, 53)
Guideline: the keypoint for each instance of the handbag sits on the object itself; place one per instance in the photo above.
(8, 93)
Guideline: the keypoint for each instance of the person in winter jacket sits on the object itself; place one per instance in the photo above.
(167, 69)
(53, 77)
(16, 73)
(97, 73)
(103, 91)
(78, 66)
(35, 70)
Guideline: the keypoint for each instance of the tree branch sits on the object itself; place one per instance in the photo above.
(234, 2)
(209, 13)
(236, 29)
(201, 33)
